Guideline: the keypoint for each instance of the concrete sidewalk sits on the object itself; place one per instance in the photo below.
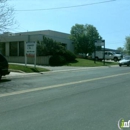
(17, 74)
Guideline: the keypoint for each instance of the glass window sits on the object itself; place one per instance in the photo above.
(21, 48)
(13, 48)
(105, 53)
(110, 53)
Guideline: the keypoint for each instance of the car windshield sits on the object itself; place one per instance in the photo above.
(127, 58)
(113, 53)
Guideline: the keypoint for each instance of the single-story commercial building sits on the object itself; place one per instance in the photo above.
(108, 49)
(12, 45)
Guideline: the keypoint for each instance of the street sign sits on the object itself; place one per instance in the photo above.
(30, 49)
(100, 43)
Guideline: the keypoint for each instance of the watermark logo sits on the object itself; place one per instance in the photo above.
(122, 124)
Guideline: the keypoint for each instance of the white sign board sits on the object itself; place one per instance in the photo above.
(100, 43)
(30, 49)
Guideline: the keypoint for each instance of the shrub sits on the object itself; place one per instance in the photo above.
(57, 60)
(69, 56)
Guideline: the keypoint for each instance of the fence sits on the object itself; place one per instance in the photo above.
(40, 60)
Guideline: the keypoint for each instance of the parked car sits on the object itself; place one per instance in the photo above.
(3, 66)
(125, 61)
(109, 55)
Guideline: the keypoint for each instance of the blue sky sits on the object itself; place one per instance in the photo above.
(112, 19)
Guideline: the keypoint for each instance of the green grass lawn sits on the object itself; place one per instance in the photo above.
(13, 67)
(79, 62)
(89, 63)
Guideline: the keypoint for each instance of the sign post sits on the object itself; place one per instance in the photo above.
(30, 51)
(100, 43)
(25, 54)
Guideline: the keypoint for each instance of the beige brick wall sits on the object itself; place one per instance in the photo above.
(40, 60)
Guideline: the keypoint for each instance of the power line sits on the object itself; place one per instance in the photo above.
(65, 7)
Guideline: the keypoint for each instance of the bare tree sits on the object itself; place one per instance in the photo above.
(6, 16)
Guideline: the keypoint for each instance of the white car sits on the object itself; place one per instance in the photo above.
(125, 61)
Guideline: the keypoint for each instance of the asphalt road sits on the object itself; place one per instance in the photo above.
(86, 99)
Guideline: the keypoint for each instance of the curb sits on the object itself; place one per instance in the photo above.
(19, 71)
(54, 71)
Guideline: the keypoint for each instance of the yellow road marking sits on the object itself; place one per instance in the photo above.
(60, 85)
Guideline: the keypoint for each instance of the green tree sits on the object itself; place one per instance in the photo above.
(49, 47)
(59, 54)
(84, 37)
(127, 44)
(121, 49)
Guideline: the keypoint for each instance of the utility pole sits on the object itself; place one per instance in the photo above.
(104, 50)
(94, 53)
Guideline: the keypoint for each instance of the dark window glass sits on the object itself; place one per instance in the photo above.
(105, 53)
(21, 48)
(2, 48)
(110, 54)
(13, 49)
